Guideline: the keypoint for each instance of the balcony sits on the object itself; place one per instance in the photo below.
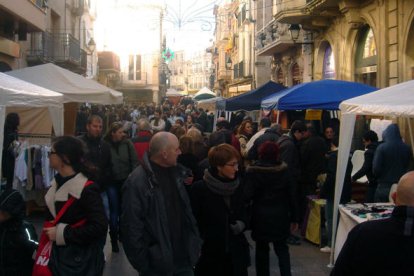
(30, 12)
(275, 38)
(60, 48)
(310, 13)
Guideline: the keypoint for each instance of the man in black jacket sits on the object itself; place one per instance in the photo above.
(370, 140)
(290, 154)
(99, 155)
(99, 152)
(160, 235)
(382, 247)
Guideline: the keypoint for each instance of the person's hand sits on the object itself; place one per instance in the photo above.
(293, 227)
(189, 180)
(237, 227)
(51, 233)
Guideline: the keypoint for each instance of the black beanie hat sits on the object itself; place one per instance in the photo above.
(11, 201)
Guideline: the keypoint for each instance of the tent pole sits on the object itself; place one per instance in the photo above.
(411, 132)
(277, 118)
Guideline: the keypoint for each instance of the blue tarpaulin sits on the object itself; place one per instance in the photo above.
(251, 100)
(323, 94)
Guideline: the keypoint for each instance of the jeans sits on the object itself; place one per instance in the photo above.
(329, 220)
(114, 198)
(262, 258)
(105, 202)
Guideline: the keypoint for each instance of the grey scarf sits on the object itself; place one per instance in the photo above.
(219, 187)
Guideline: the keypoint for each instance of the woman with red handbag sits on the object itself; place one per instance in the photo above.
(77, 223)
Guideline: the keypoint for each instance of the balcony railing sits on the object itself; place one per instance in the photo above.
(274, 38)
(62, 48)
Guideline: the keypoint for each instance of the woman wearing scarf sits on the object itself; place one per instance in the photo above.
(219, 209)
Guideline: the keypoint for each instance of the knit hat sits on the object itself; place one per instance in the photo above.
(11, 201)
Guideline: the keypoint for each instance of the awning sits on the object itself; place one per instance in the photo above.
(74, 87)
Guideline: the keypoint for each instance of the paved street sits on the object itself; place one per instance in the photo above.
(306, 259)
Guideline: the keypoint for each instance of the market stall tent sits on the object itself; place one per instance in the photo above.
(209, 104)
(251, 100)
(74, 87)
(395, 101)
(323, 94)
(17, 93)
(204, 94)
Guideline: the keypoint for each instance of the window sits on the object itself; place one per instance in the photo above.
(138, 67)
(131, 68)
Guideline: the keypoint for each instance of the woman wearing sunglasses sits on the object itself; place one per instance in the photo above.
(78, 231)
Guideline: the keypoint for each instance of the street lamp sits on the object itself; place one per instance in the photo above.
(91, 45)
(294, 30)
(229, 63)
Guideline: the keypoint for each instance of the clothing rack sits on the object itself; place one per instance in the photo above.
(36, 139)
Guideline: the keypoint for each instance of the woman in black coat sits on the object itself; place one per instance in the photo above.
(219, 209)
(80, 246)
(18, 239)
(273, 207)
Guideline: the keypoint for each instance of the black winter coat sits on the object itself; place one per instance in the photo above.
(313, 159)
(366, 168)
(17, 245)
(379, 247)
(88, 206)
(99, 154)
(273, 201)
(214, 217)
(328, 188)
(144, 222)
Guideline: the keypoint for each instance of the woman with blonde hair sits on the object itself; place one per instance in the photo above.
(200, 148)
(244, 132)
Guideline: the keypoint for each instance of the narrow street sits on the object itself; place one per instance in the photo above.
(306, 260)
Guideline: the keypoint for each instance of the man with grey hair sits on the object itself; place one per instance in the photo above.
(160, 235)
(383, 247)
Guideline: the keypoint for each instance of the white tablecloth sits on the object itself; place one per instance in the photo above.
(347, 221)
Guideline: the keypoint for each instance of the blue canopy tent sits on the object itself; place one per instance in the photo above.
(323, 94)
(251, 100)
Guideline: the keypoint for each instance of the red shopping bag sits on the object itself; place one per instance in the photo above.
(44, 249)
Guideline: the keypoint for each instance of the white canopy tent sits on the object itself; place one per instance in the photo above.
(204, 91)
(74, 87)
(395, 101)
(17, 93)
(171, 92)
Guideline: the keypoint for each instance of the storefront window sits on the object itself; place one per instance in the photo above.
(329, 64)
(366, 58)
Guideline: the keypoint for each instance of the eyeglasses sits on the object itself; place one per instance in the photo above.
(235, 164)
(51, 152)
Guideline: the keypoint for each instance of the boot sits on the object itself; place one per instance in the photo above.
(114, 241)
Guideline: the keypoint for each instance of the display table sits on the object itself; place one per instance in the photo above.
(352, 214)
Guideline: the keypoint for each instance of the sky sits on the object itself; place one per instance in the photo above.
(132, 26)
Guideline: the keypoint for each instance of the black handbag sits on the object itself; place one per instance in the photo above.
(77, 259)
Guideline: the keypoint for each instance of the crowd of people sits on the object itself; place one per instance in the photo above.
(180, 201)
